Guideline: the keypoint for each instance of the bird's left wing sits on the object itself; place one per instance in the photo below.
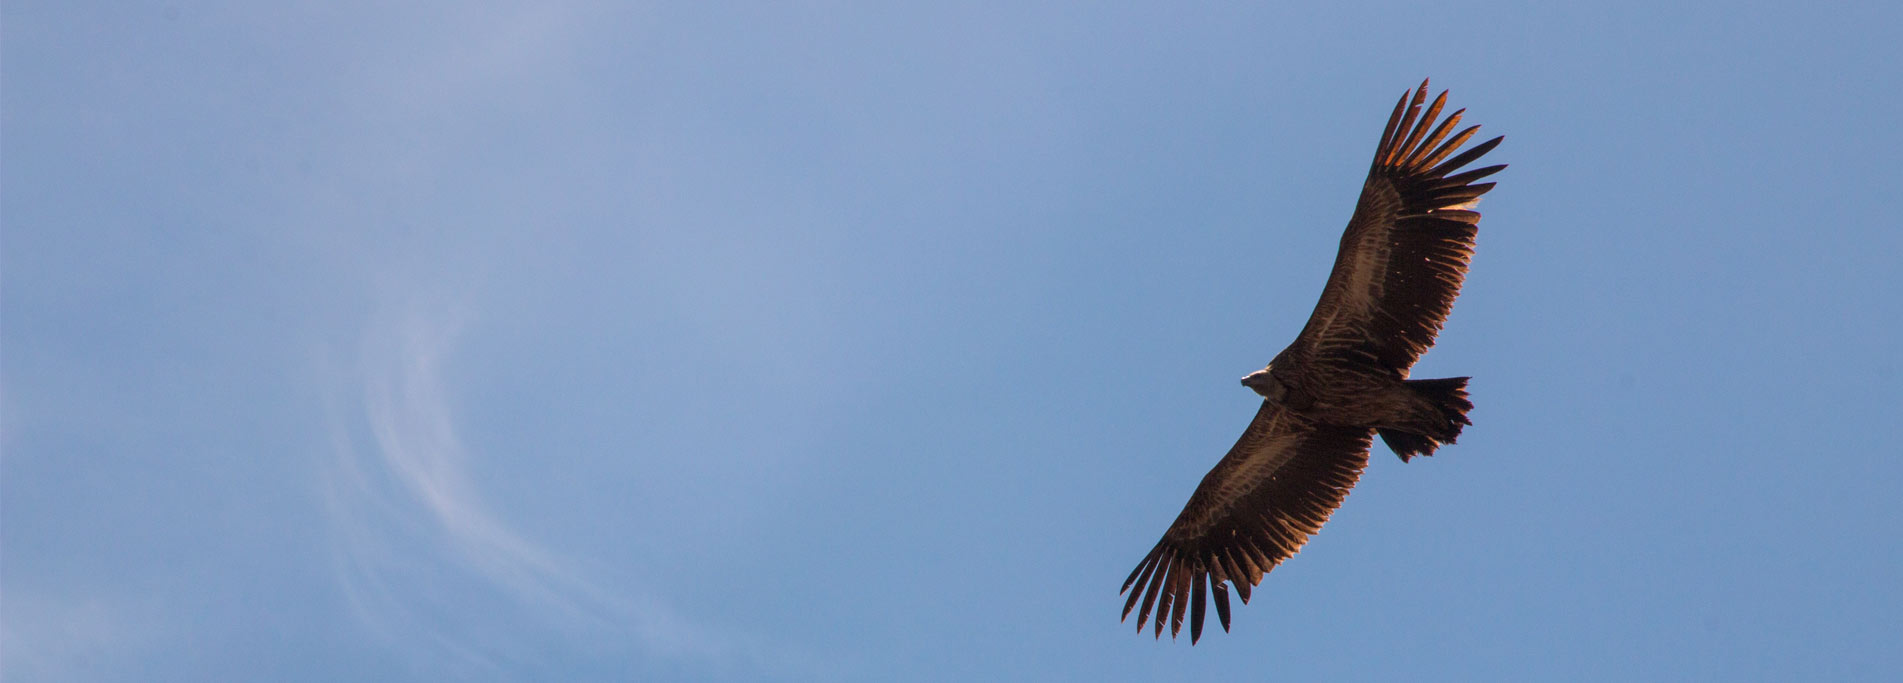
(1276, 486)
(1405, 252)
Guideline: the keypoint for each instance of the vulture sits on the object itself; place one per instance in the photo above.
(1343, 380)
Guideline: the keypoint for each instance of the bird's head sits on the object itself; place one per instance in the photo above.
(1263, 382)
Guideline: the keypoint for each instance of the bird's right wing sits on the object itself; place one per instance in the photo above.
(1276, 486)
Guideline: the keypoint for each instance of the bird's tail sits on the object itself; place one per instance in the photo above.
(1449, 399)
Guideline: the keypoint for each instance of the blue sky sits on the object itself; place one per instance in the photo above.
(705, 341)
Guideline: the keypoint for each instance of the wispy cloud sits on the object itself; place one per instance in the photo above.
(423, 559)
(435, 571)
(422, 553)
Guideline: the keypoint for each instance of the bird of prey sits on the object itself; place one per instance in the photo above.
(1345, 379)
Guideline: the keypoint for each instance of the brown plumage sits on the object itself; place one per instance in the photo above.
(1343, 380)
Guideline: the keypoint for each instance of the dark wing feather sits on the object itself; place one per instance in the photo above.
(1276, 486)
(1405, 252)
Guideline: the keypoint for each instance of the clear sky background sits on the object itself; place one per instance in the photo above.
(828, 341)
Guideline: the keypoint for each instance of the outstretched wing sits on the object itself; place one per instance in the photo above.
(1405, 252)
(1276, 486)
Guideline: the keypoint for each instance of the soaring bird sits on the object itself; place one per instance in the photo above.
(1345, 379)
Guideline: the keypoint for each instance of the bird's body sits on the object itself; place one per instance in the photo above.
(1344, 379)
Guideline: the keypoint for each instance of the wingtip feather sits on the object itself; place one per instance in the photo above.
(1179, 599)
(1198, 594)
(1222, 604)
(1467, 157)
(1419, 125)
